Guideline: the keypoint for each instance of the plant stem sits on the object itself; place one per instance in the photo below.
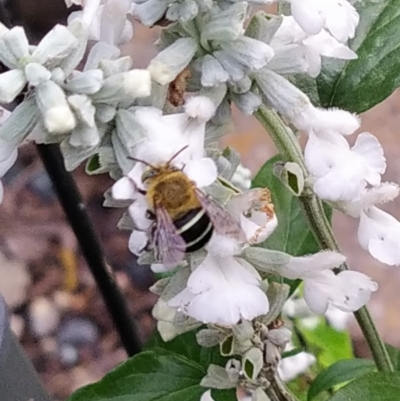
(278, 391)
(289, 148)
(75, 210)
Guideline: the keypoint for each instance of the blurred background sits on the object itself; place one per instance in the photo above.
(55, 308)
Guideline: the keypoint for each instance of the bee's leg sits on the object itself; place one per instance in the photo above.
(150, 234)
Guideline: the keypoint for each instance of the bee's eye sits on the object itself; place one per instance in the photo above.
(149, 174)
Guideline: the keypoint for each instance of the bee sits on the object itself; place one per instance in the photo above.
(184, 217)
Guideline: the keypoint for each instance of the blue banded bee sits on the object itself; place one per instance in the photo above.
(184, 217)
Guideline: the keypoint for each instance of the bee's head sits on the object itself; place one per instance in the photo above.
(150, 173)
(154, 171)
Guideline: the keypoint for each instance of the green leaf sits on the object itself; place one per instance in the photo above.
(292, 234)
(187, 346)
(394, 354)
(375, 386)
(340, 372)
(148, 376)
(326, 343)
(360, 84)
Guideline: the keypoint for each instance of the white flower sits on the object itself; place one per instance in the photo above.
(137, 83)
(370, 197)
(314, 46)
(337, 318)
(341, 172)
(339, 17)
(292, 366)
(242, 178)
(163, 138)
(8, 153)
(170, 321)
(348, 291)
(320, 121)
(200, 107)
(106, 19)
(379, 234)
(255, 212)
(206, 396)
(222, 290)
(69, 3)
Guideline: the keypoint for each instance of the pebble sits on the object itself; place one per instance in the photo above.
(68, 355)
(40, 185)
(43, 316)
(17, 324)
(14, 281)
(78, 331)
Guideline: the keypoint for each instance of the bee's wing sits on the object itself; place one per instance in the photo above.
(169, 245)
(222, 221)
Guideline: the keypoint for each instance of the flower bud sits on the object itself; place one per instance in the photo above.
(11, 84)
(57, 115)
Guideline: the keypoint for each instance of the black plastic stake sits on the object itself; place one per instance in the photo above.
(75, 210)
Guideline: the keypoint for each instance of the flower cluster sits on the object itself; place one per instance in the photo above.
(78, 109)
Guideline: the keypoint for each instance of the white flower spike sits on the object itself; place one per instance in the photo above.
(379, 233)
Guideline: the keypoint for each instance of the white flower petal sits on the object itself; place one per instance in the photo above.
(137, 241)
(7, 162)
(341, 173)
(206, 396)
(370, 197)
(379, 233)
(255, 212)
(337, 318)
(200, 107)
(123, 189)
(369, 148)
(356, 291)
(138, 211)
(222, 291)
(221, 246)
(159, 268)
(308, 15)
(202, 171)
(289, 368)
(306, 266)
(166, 135)
(318, 289)
(338, 16)
(326, 45)
(341, 19)
(320, 121)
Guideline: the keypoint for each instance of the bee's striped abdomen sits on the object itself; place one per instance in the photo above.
(195, 228)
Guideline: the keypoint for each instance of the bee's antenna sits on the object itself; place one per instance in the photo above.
(142, 161)
(177, 153)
